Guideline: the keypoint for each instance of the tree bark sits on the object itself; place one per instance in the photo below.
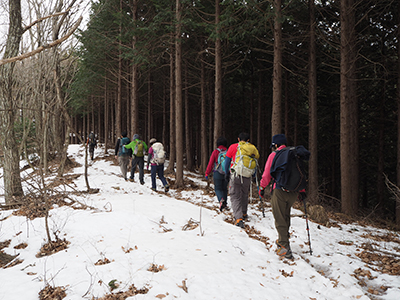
(203, 131)
(134, 85)
(172, 130)
(348, 110)
(313, 116)
(178, 97)
(398, 118)
(8, 109)
(276, 122)
(189, 156)
(218, 76)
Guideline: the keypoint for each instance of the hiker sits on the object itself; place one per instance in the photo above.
(281, 199)
(139, 149)
(156, 158)
(240, 166)
(215, 165)
(91, 141)
(122, 154)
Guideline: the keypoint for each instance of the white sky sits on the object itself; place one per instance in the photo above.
(32, 11)
(220, 261)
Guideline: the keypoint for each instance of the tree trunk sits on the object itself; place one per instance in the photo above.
(150, 124)
(106, 116)
(134, 88)
(348, 110)
(398, 118)
(218, 76)
(203, 131)
(178, 97)
(276, 122)
(313, 125)
(118, 109)
(8, 110)
(172, 136)
(188, 132)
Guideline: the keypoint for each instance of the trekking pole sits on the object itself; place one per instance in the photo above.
(258, 192)
(307, 228)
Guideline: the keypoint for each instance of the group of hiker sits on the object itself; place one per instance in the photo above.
(134, 151)
(235, 167)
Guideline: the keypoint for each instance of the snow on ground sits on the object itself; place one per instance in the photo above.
(140, 234)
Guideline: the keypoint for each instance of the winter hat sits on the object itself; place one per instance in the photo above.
(124, 134)
(135, 136)
(278, 139)
(153, 140)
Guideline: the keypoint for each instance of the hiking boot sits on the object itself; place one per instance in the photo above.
(245, 217)
(142, 182)
(131, 180)
(222, 205)
(153, 189)
(126, 179)
(284, 252)
(239, 223)
(166, 187)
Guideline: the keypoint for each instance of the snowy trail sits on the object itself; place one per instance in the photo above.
(135, 229)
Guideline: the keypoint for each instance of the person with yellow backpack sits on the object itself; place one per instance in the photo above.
(240, 165)
(139, 149)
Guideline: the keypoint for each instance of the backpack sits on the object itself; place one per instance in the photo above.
(287, 168)
(92, 139)
(220, 161)
(245, 164)
(122, 150)
(158, 154)
(139, 149)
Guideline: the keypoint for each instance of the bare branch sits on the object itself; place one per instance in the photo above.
(41, 48)
(44, 18)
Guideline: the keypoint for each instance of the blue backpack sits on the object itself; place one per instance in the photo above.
(287, 168)
(220, 161)
(122, 150)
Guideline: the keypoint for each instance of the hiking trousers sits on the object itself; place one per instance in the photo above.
(157, 170)
(239, 187)
(138, 161)
(281, 203)
(220, 186)
(123, 162)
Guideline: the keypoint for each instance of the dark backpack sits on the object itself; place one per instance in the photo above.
(122, 150)
(287, 168)
(92, 139)
(220, 161)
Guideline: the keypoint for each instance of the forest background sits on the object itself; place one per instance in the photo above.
(325, 73)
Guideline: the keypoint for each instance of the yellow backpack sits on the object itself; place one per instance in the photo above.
(245, 160)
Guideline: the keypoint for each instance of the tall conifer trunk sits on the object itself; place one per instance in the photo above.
(348, 110)
(218, 76)
(312, 99)
(276, 122)
(178, 98)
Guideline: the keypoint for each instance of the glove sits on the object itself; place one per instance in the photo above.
(206, 176)
(227, 177)
(147, 167)
(302, 196)
(261, 192)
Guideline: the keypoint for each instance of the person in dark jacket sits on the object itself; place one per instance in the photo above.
(281, 200)
(122, 154)
(216, 167)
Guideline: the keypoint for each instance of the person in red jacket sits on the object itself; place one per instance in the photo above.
(215, 166)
